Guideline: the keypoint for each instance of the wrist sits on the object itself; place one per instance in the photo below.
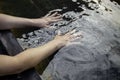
(59, 44)
(36, 22)
(31, 22)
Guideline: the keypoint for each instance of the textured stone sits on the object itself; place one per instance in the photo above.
(94, 57)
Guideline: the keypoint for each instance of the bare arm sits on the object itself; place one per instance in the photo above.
(9, 22)
(31, 57)
(26, 59)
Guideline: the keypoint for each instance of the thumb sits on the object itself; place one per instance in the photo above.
(47, 26)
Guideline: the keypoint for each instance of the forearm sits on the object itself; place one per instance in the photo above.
(32, 57)
(26, 59)
(9, 22)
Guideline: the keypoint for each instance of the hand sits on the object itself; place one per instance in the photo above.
(62, 40)
(46, 20)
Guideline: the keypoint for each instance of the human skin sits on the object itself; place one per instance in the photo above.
(31, 57)
(10, 22)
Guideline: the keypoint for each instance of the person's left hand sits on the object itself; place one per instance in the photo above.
(46, 20)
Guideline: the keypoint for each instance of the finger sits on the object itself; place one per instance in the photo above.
(49, 13)
(59, 32)
(58, 14)
(74, 34)
(79, 34)
(56, 20)
(71, 32)
(56, 10)
(54, 14)
(47, 26)
(76, 38)
(58, 17)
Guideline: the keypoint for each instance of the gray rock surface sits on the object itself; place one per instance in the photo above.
(94, 57)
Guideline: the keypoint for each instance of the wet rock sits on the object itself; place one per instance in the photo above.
(96, 56)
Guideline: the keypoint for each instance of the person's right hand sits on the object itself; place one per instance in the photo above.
(46, 20)
(62, 40)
